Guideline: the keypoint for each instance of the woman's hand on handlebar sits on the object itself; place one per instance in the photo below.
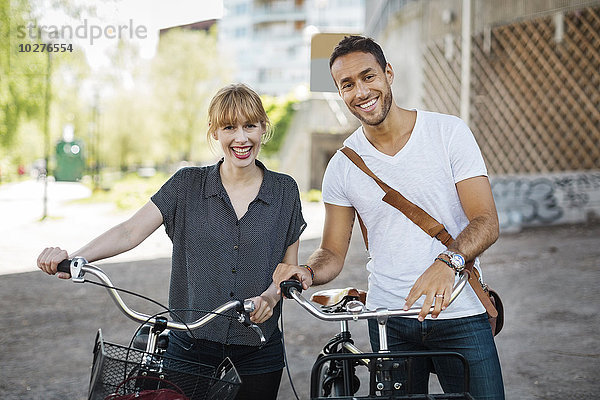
(49, 258)
(285, 272)
(263, 309)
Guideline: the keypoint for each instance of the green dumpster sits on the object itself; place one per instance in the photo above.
(69, 161)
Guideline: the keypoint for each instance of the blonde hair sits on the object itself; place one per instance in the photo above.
(234, 104)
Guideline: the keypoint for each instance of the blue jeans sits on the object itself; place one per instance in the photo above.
(470, 336)
(248, 360)
(260, 368)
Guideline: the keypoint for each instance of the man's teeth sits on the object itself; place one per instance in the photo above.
(368, 104)
(241, 152)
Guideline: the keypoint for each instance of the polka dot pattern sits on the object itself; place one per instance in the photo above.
(216, 257)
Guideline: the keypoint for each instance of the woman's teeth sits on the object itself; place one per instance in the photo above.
(241, 151)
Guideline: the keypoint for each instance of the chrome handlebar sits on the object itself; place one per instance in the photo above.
(78, 267)
(355, 310)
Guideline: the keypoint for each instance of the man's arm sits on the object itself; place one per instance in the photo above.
(482, 231)
(478, 203)
(327, 261)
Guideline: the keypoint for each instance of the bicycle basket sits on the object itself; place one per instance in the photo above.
(120, 371)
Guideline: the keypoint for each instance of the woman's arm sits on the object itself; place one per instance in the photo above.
(116, 240)
(265, 303)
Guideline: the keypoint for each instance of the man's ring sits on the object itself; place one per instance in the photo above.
(439, 295)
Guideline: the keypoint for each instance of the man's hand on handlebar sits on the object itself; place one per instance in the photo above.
(48, 261)
(284, 272)
(436, 284)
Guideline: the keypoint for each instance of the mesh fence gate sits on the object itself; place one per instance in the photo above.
(535, 101)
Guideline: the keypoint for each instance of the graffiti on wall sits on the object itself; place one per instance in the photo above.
(546, 199)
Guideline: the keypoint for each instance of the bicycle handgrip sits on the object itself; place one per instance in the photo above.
(64, 266)
(287, 285)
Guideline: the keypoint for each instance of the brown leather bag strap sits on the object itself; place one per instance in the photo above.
(481, 291)
(424, 221)
(359, 162)
(413, 212)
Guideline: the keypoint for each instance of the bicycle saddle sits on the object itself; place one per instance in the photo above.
(330, 297)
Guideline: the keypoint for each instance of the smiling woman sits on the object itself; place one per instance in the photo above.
(231, 224)
(237, 104)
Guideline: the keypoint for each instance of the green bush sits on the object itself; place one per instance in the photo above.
(313, 195)
(281, 112)
(129, 191)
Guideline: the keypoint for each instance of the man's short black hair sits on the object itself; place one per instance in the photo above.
(354, 43)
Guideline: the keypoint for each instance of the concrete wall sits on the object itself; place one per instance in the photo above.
(402, 44)
(404, 32)
(546, 199)
(323, 114)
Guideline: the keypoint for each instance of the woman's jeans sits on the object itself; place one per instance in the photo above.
(470, 336)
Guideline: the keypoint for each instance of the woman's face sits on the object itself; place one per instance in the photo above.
(240, 142)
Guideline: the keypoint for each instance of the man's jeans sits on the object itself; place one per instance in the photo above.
(470, 336)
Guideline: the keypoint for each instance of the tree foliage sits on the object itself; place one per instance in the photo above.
(22, 75)
(187, 72)
(280, 112)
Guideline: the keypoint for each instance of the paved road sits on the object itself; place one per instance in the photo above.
(549, 348)
(70, 224)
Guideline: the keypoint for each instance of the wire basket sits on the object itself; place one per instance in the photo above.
(121, 371)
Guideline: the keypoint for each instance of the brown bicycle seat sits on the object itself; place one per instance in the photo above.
(330, 297)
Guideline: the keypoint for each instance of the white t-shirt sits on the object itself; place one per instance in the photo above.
(440, 152)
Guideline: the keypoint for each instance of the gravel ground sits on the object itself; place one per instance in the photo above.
(549, 348)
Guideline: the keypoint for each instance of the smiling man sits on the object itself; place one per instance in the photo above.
(434, 161)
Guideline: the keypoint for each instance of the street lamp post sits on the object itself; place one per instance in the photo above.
(48, 98)
(96, 141)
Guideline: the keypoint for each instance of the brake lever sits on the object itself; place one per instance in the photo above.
(244, 318)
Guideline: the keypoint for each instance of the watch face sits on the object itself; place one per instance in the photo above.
(458, 260)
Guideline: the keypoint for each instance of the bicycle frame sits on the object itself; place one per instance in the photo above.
(380, 364)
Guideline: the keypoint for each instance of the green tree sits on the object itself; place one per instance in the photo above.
(23, 81)
(280, 111)
(128, 138)
(127, 124)
(187, 72)
(21, 74)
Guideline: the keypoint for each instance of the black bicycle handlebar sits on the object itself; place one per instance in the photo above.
(286, 287)
(64, 266)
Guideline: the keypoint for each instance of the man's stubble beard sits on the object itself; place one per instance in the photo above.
(387, 105)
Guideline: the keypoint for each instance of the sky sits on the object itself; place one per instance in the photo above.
(137, 20)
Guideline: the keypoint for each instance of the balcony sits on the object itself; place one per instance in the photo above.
(278, 12)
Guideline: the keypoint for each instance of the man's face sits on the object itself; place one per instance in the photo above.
(364, 86)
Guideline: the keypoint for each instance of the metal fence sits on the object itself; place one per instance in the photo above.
(535, 91)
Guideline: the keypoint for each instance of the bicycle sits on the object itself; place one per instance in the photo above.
(143, 370)
(333, 374)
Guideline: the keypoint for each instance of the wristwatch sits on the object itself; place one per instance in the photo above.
(456, 259)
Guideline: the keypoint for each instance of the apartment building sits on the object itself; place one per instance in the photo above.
(268, 41)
